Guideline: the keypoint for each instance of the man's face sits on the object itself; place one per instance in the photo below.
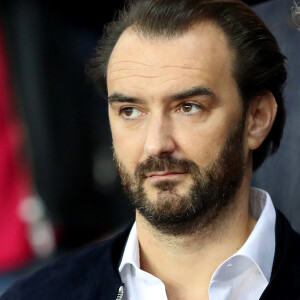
(177, 126)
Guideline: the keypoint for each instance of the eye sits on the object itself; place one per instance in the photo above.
(190, 108)
(130, 112)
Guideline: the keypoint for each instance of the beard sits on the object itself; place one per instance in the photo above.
(209, 198)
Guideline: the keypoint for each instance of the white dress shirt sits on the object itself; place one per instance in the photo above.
(244, 275)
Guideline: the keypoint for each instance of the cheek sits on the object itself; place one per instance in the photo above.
(128, 147)
(200, 143)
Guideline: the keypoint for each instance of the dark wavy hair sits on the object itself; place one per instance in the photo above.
(259, 65)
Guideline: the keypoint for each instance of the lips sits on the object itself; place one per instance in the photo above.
(164, 174)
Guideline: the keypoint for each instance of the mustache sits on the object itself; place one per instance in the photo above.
(165, 162)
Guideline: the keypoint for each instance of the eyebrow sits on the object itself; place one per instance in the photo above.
(120, 97)
(192, 92)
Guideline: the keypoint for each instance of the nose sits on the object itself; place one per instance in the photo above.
(159, 138)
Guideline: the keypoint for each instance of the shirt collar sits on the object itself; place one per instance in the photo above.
(131, 255)
(259, 248)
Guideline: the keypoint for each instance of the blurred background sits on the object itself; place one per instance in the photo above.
(59, 188)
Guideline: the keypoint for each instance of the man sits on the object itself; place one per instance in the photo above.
(195, 105)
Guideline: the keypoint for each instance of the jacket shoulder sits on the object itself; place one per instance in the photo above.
(284, 282)
(78, 275)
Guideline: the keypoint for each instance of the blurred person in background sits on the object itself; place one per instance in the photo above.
(52, 139)
(15, 180)
(296, 15)
(23, 235)
(195, 105)
(66, 130)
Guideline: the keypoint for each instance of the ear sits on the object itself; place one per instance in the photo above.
(260, 118)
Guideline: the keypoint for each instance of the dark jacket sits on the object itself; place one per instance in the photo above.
(92, 273)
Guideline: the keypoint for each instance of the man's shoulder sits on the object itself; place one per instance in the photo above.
(284, 283)
(287, 239)
(79, 275)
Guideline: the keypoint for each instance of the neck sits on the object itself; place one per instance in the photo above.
(197, 256)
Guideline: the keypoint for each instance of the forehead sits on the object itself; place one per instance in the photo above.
(158, 65)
